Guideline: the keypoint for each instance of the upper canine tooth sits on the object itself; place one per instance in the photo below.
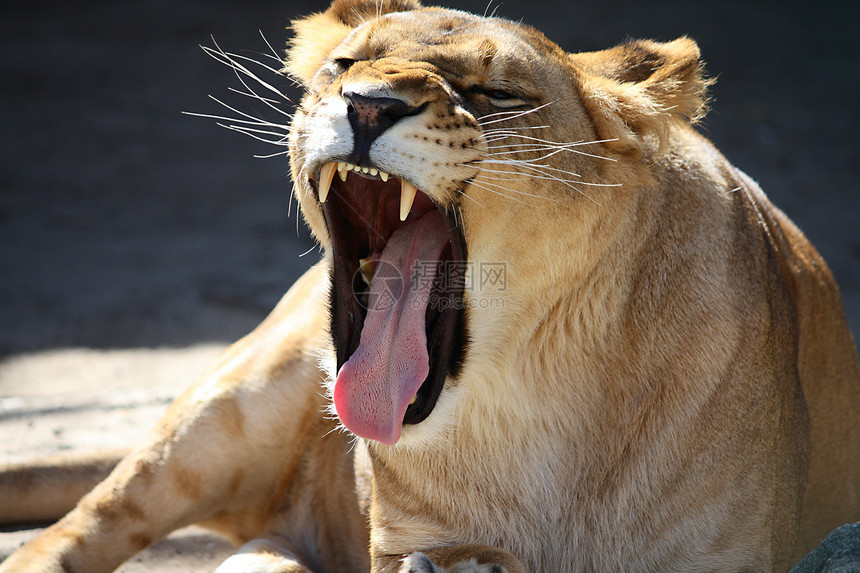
(326, 175)
(407, 196)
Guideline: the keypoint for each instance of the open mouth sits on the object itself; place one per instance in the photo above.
(396, 299)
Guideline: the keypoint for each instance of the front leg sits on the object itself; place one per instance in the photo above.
(453, 559)
(224, 454)
(220, 456)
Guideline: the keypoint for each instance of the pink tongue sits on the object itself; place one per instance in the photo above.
(375, 385)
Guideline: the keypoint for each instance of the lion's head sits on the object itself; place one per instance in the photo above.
(431, 149)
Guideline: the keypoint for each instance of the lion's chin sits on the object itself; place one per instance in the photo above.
(396, 302)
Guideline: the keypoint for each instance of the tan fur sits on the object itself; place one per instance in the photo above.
(666, 383)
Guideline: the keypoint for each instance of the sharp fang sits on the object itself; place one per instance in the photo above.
(383, 175)
(367, 267)
(326, 175)
(414, 399)
(407, 196)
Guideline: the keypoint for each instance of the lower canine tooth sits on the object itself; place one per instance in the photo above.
(326, 175)
(407, 196)
(367, 267)
(414, 399)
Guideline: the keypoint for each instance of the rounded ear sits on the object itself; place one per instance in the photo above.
(315, 36)
(637, 89)
(354, 13)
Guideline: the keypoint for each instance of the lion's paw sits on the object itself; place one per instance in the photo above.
(419, 563)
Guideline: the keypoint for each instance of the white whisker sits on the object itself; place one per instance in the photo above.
(269, 103)
(511, 130)
(253, 95)
(514, 114)
(511, 161)
(232, 61)
(503, 175)
(565, 182)
(547, 142)
(309, 251)
(557, 150)
(544, 168)
(553, 150)
(587, 184)
(271, 155)
(555, 145)
(234, 57)
(488, 186)
(263, 65)
(549, 168)
(254, 121)
(509, 190)
(244, 114)
(274, 55)
(501, 133)
(249, 130)
(467, 196)
(246, 131)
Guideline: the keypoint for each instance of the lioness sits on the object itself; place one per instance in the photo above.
(557, 329)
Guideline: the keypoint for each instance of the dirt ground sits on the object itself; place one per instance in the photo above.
(136, 242)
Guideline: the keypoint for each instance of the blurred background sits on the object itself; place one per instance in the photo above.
(136, 242)
(125, 224)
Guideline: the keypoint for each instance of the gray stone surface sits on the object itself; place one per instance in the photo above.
(838, 553)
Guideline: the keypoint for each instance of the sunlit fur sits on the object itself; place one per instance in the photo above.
(663, 382)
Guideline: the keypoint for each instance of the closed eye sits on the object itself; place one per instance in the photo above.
(499, 97)
(497, 94)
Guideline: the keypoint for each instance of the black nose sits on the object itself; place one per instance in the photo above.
(370, 117)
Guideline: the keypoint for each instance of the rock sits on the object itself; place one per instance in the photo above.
(838, 553)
